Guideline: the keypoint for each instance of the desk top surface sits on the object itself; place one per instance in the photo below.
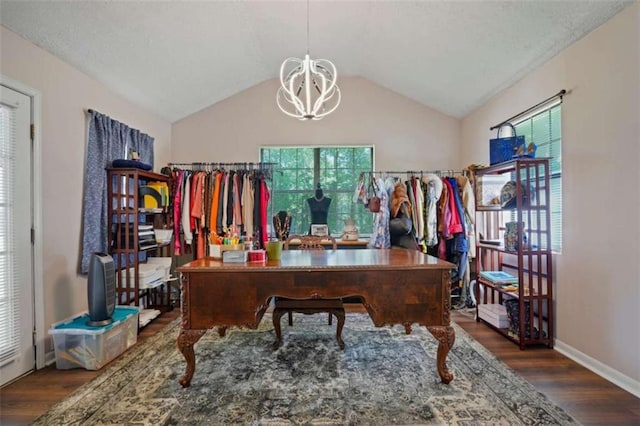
(369, 259)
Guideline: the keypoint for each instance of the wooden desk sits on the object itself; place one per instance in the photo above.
(398, 286)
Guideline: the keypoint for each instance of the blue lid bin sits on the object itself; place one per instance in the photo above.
(78, 345)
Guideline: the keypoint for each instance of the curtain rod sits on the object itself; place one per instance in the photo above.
(560, 94)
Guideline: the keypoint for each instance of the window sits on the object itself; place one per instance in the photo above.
(297, 172)
(9, 278)
(543, 128)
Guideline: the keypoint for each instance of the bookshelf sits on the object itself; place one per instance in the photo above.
(514, 282)
(142, 263)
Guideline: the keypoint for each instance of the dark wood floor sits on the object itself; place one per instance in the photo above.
(586, 396)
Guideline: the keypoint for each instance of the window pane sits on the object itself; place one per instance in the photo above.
(337, 170)
(544, 129)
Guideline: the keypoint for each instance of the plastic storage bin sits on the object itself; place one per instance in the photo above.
(78, 345)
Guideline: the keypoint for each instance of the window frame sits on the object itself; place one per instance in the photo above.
(337, 215)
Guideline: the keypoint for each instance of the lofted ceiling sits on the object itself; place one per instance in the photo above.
(176, 58)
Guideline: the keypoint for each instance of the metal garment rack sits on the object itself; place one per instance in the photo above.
(223, 165)
(439, 173)
(265, 168)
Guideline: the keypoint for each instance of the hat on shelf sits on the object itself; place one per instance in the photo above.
(509, 193)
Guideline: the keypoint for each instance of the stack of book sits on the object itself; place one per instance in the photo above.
(146, 237)
(507, 281)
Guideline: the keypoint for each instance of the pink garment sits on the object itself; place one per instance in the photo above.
(264, 202)
(455, 225)
(177, 195)
(237, 206)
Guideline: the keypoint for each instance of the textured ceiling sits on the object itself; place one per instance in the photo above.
(175, 58)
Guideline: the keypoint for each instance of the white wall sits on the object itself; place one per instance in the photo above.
(598, 272)
(406, 134)
(66, 94)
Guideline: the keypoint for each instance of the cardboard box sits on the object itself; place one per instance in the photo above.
(494, 314)
(78, 345)
(216, 250)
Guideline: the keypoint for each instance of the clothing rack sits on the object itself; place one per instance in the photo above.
(215, 164)
(439, 173)
(264, 167)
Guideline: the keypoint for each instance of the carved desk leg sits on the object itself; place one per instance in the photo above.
(446, 336)
(339, 313)
(186, 340)
(276, 316)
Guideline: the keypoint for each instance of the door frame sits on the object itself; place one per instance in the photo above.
(37, 256)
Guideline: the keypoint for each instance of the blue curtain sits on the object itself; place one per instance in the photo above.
(108, 140)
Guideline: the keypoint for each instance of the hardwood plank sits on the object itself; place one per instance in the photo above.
(589, 398)
(24, 400)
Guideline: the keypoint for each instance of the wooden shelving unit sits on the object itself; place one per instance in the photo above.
(527, 255)
(127, 218)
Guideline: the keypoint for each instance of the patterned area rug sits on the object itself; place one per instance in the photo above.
(383, 377)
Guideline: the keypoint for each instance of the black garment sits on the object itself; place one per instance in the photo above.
(319, 210)
(230, 199)
(400, 228)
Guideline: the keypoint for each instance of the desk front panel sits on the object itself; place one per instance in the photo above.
(220, 296)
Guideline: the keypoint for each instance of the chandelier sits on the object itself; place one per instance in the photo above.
(308, 89)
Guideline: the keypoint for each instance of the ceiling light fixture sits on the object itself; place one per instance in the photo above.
(308, 88)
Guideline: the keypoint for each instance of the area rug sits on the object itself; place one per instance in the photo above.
(383, 377)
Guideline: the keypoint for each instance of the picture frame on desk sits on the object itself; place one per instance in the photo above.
(320, 230)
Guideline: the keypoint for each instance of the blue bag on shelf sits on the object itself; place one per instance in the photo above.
(505, 148)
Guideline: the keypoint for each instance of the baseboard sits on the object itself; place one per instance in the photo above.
(625, 382)
(49, 358)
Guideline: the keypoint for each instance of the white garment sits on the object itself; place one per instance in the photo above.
(432, 195)
(247, 205)
(186, 210)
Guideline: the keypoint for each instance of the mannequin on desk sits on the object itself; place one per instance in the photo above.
(319, 207)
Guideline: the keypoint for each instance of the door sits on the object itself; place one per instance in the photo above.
(17, 352)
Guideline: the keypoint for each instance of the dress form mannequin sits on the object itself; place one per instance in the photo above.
(282, 225)
(319, 206)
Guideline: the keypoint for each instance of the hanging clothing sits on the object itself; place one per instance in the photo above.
(380, 237)
(469, 205)
(186, 210)
(453, 221)
(264, 202)
(237, 200)
(177, 210)
(247, 204)
(209, 205)
(360, 193)
(433, 193)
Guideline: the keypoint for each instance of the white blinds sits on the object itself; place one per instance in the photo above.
(544, 128)
(9, 288)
